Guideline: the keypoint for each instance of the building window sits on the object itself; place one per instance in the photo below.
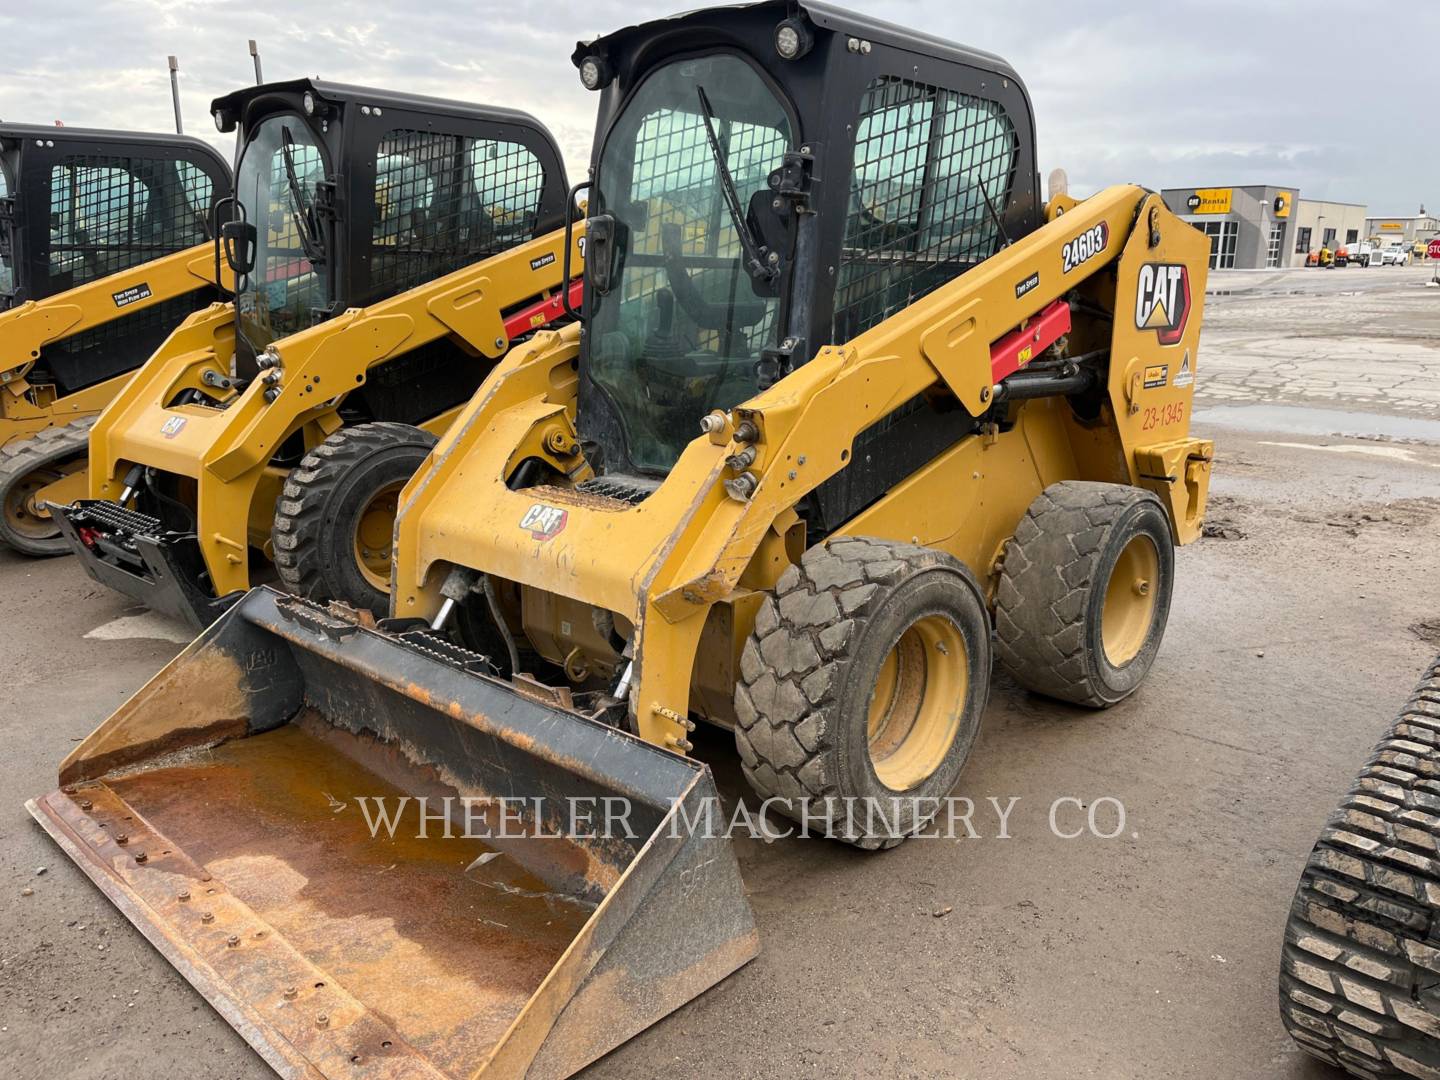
(1352, 236)
(1276, 245)
(1302, 241)
(1223, 236)
(1327, 240)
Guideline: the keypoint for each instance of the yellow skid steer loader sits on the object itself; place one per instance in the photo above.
(102, 254)
(845, 396)
(390, 248)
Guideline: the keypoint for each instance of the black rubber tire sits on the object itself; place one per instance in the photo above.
(18, 459)
(1360, 970)
(1051, 593)
(809, 668)
(317, 512)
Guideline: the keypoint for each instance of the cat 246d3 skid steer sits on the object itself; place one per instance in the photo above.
(102, 254)
(845, 396)
(444, 218)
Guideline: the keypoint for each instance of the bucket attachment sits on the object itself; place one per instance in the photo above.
(376, 861)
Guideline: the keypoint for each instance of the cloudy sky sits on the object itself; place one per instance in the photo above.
(1334, 96)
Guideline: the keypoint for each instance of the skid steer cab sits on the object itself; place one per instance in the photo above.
(389, 248)
(851, 415)
(103, 251)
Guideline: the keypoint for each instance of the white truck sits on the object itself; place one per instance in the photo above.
(1396, 254)
(1357, 254)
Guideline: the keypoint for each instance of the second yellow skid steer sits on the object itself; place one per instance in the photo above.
(102, 254)
(846, 397)
(390, 248)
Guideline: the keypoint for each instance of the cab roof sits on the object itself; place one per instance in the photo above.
(239, 101)
(106, 136)
(823, 16)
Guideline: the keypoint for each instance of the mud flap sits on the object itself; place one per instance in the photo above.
(498, 927)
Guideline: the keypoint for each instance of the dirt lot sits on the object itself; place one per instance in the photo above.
(1296, 633)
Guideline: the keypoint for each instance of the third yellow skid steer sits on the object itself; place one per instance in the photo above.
(389, 249)
(102, 254)
(846, 398)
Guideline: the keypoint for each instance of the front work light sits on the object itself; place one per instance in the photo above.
(595, 73)
(793, 39)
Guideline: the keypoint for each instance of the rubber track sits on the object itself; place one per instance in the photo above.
(1360, 969)
(21, 456)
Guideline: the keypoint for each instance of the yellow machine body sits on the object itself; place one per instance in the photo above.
(226, 444)
(626, 593)
(28, 406)
(691, 557)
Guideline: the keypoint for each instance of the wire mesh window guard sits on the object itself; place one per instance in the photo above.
(111, 213)
(443, 202)
(925, 160)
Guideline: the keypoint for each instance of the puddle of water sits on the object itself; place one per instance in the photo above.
(1302, 420)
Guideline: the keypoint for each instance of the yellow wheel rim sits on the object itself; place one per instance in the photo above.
(917, 703)
(23, 513)
(1129, 609)
(373, 534)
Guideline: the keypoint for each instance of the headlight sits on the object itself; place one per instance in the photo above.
(793, 39)
(219, 116)
(595, 73)
(309, 102)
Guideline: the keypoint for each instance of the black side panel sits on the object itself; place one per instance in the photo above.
(116, 347)
(419, 385)
(883, 455)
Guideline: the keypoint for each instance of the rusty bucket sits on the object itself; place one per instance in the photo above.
(375, 861)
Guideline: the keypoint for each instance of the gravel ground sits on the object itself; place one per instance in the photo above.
(1297, 631)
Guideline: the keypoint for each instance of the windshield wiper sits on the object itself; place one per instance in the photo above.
(757, 267)
(300, 211)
